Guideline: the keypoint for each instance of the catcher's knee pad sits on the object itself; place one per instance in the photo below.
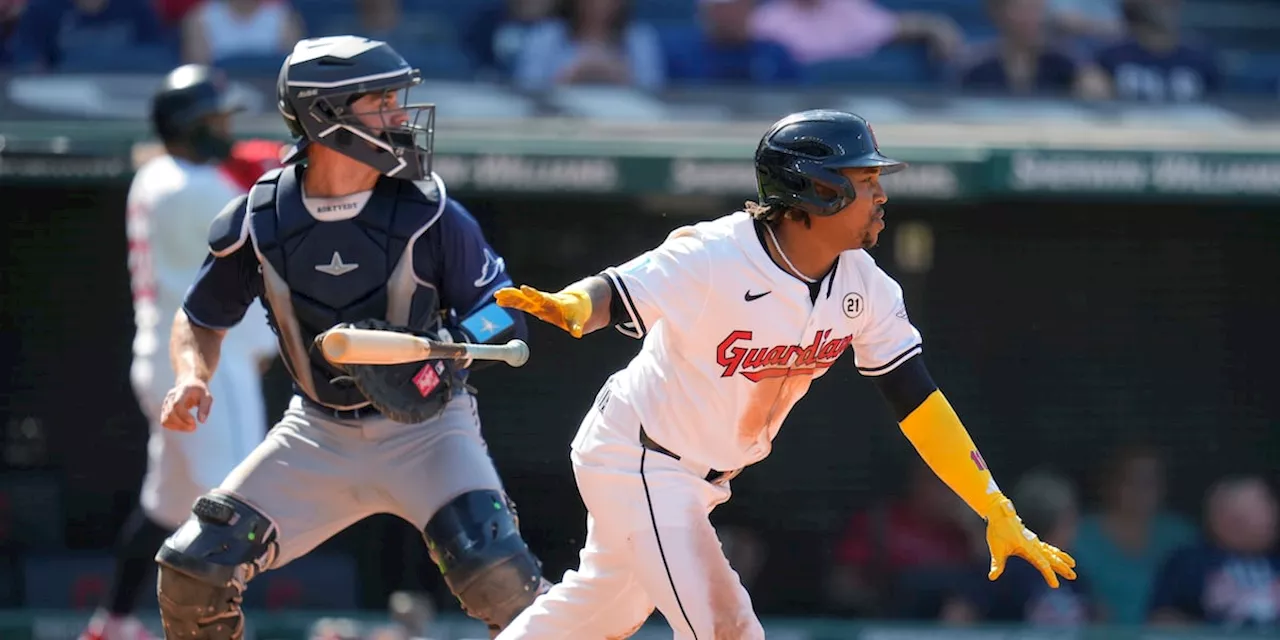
(205, 564)
(475, 541)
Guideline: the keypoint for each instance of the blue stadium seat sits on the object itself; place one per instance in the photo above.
(252, 64)
(331, 22)
(664, 10)
(88, 58)
(1254, 73)
(900, 64)
(439, 61)
(457, 12)
(958, 9)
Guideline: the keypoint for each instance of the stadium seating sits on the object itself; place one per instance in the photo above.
(90, 58)
(895, 65)
(430, 33)
(251, 64)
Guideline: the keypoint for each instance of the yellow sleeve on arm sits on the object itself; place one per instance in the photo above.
(935, 431)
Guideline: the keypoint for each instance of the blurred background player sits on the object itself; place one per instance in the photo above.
(171, 203)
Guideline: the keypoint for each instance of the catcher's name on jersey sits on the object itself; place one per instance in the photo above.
(732, 341)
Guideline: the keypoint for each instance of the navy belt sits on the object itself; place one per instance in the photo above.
(713, 476)
(343, 414)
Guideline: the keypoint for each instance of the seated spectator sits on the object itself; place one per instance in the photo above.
(173, 11)
(380, 19)
(10, 14)
(930, 529)
(1047, 503)
(1022, 62)
(50, 28)
(496, 34)
(821, 30)
(721, 48)
(1087, 19)
(1121, 546)
(383, 20)
(221, 29)
(1233, 578)
(593, 42)
(1154, 64)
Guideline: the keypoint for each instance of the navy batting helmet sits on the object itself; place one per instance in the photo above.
(805, 151)
(181, 108)
(321, 79)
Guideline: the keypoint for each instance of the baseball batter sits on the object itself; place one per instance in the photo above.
(171, 202)
(739, 315)
(355, 229)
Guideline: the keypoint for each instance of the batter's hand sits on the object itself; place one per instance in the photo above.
(186, 395)
(1007, 536)
(567, 310)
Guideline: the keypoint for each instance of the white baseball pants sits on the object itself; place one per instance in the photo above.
(649, 544)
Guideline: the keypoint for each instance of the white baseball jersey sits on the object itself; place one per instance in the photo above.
(732, 342)
(170, 206)
(171, 203)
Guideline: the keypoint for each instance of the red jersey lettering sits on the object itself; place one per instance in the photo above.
(757, 363)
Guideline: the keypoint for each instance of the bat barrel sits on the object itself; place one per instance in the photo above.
(370, 346)
(376, 347)
(335, 345)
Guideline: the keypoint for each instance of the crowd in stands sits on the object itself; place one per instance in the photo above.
(923, 556)
(1091, 49)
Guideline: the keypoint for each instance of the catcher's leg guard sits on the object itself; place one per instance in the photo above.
(205, 564)
(475, 541)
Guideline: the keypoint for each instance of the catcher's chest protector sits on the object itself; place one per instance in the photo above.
(318, 273)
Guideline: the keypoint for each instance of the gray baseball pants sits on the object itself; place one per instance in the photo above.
(315, 475)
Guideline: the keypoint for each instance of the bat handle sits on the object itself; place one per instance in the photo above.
(519, 353)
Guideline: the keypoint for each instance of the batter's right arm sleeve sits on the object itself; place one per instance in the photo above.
(671, 282)
(228, 281)
(884, 338)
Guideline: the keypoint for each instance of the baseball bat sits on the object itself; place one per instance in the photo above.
(369, 346)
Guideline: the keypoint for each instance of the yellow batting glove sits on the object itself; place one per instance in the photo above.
(570, 309)
(1007, 536)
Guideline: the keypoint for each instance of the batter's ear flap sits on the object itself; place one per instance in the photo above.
(230, 228)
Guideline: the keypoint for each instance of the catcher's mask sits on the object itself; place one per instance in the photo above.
(351, 94)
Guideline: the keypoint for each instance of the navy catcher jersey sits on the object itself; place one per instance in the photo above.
(403, 252)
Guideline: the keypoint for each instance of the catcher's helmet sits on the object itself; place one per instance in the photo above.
(181, 107)
(321, 79)
(806, 150)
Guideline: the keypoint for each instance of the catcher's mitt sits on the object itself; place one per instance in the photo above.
(410, 393)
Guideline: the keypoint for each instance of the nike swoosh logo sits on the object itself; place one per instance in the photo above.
(755, 296)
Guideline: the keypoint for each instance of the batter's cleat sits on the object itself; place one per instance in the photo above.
(104, 626)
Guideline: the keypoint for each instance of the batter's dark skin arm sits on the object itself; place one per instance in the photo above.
(601, 295)
(194, 350)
